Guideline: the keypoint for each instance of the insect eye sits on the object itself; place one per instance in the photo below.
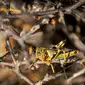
(76, 51)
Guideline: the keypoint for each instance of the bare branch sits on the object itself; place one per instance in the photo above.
(7, 64)
(75, 75)
(75, 6)
(11, 51)
(23, 77)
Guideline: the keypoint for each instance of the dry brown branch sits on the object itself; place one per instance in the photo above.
(7, 64)
(78, 43)
(11, 51)
(23, 77)
(15, 68)
(76, 75)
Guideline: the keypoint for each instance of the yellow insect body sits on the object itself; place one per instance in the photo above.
(47, 55)
(68, 54)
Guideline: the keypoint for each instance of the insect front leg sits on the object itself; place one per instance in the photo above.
(52, 68)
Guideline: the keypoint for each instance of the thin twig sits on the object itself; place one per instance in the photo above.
(23, 77)
(11, 51)
(75, 75)
(75, 6)
(7, 64)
